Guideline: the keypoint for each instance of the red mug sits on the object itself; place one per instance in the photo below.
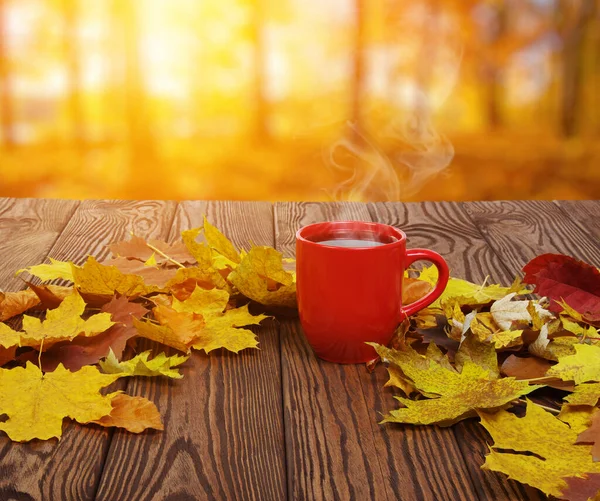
(349, 286)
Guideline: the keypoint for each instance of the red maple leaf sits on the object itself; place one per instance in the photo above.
(563, 278)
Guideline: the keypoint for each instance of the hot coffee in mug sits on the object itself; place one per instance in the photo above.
(349, 286)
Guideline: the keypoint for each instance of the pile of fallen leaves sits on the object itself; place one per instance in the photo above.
(479, 349)
(186, 295)
(475, 352)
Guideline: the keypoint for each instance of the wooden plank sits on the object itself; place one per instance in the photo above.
(445, 228)
(521, 230)
(336, 454)
(28, 229)
(586, 213)
(70, 469)
(223, 436)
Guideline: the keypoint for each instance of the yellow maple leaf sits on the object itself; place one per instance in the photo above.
(63, 323)
(584, 394)
(468, 293)
(178, 330)
(200, 251)
(398, 380)
(538, 432)
(220, 243)
(55, 270)
(203, 301)
(36, 403)
(260, 276)
(8, 337)
(96, 278)
(135, 414)
(581, 367)
(222, 329)
(485, 329)
(483, 354)
(456, 395)
(189, 278)
(160, 365)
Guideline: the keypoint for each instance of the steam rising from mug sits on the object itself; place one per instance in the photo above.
(417, 151)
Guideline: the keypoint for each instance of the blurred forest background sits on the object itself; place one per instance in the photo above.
(300, 99)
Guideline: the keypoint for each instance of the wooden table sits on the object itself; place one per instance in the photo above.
(277, 423)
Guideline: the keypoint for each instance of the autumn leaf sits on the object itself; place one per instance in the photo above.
(135, 414)
(61, 324)
(563, 278)
(581, 367)
(398, 380)
(485, 329)
(414, 289)
(592, 436)
(187, 279)
(175, 329)
(50, 296)
(550, 440)
(584, 394)
(583, 488)
(472, 350)
(525, 367)
(55, 270)
(457, 395)
(585, 331)
(260, 276)
(6, 354)
(220, 243)
(160, 365)
(136, 248)
(205, 302)
(152, 275)
(15, 303)
(511, 315)
(36, 403)
(199, 250)
(222, 329)
(464, 292)
(96, 278)
(89, 350)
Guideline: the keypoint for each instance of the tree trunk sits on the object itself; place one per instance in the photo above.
(74, 72)
(359, 65)
(138, 118)
(6, 101)
(572, 61)
(261, 106)
(494, 73)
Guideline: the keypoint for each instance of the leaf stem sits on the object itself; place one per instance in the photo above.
(545, 407)
(543, 378)
(40, 353)
(161, 253)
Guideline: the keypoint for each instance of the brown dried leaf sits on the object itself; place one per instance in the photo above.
(135, 414)
(136, 248)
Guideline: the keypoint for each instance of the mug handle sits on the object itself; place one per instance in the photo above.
(413, 255)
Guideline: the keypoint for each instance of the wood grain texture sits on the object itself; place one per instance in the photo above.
(28, 229)
(223, 436)
(519, 231)
(445, 228)
(329, 442)
(70, 469)
(333, 454)
(586, 213)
